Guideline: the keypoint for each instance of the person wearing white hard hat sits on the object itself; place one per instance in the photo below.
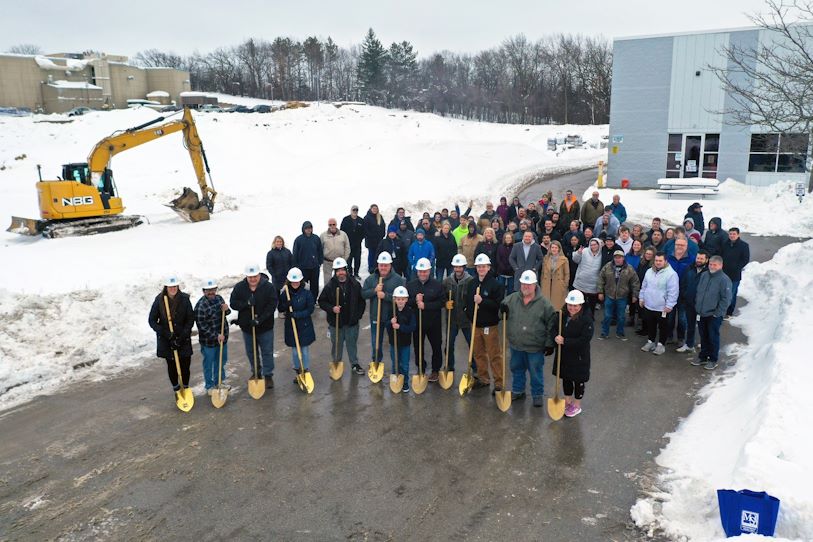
(486, 337)
(180, 339)
(350, 308)
(209, 311)
(575, 336)
(421, 248)
(335, 244)
(525, 256)
(297, 303)
(457, 283)
(427, 295)
(256, 292)
(378, 288)
(404, 323)
(530, 325)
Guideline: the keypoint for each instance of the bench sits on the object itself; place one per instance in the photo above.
(698, 187)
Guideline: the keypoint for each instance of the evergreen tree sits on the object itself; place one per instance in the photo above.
(371, 69)
(402, 71)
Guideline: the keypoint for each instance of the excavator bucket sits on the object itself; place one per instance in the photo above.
(25, 226)
(189, 206)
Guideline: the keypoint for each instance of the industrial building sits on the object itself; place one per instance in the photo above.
(667, 117)
(59, 82)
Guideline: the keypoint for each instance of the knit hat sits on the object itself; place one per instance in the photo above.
(392, 228)
(420, 231)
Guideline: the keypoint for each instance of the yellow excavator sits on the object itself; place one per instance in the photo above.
(85, 200)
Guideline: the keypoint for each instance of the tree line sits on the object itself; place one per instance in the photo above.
(558, 79)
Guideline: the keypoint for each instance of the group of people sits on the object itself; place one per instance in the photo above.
(542, 269)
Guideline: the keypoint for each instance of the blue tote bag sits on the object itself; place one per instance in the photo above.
(747, 512)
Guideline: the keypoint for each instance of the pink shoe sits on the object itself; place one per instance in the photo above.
(572, 410)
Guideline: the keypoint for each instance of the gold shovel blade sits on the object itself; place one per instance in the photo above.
(419, 383)
(336, 370)
(256, 387)
(305, 381)
(376, 372)
(466, 383)
(556, 408)
(446, 379)
(503, 400)
(219, 396)
(396, 383)
(184, 399)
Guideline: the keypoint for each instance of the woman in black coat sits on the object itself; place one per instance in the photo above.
(374, 231)
(180, 339)
(296, 303)
(574, 340)
(279, 261)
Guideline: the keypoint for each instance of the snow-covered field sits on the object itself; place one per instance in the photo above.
(73, 302)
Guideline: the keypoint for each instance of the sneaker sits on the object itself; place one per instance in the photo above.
(571, 410)
(710, 365)
(697, 362)
(620, 336)
(603, 336)
(405, 387)
(358, 369)
(516, 396)
(433, 377)
(683, 348)
(539, 401)
(659, 349)
(269, 382)
(648, 347)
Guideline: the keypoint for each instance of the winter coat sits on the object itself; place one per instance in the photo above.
(568, 234)
(354, 228)
(577, 333)
(279, 262)
(459, 289)
(299, 309)
(335, 245)
(391, 282)
(490, 250)
(488, 216)
(660, 289)
(208, 319)
(502, 210)
(601, 226)
(713, 294)
(264, 299)
(492, 293)
(408, 322)
(591, 211)
(589, 267)
(445, 250)
(459, 232)
(434, 298)
(634, 260)
(513, 211)
(680, 265)
(421, 249)
(395, 247)
(736, 256)
(714, 239)
(397, 223)
(619, 211)
(374, 231)
(307, 250)
(183, 319)
(503, 265)
(641, 269)
(520, 263)
(468, 244)
(697, 218)
(407, 237)
(555, 281)
(693, 233)
(620, 288)
(530, 327)
(350, 300)
(569, 210)
(688, 284)
(607, 253)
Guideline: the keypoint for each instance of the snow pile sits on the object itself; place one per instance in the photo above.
(752, 430)
(243, 100)
(753, 209)
(272, 172)
(83, 85)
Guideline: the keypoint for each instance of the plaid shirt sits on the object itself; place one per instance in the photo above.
(207, 317)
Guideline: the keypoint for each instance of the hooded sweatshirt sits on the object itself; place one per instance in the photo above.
(307, 250)
(715, 238)
(589, 266)
(692, 232)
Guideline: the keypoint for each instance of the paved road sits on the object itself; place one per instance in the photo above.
(116, 460)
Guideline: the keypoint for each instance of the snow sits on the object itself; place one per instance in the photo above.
(244, 100)
(753, 209)
(70, 63)
(273, 171)
(193, 94)
(158, 94)
(751, 430)
(61, 83)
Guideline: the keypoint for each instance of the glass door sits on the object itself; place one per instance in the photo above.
(692, 145)
(691, 156)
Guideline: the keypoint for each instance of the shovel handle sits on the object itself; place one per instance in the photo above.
(474, 327)
(296, 335)
(558, 359)
(378, 322)
(336, 342)
(254, 343)
(220, 355)
(174, 351)
(448, 333)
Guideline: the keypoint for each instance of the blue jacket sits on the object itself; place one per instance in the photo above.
(308, 250)
(680, 266)
(421, 249)
(688, 284)
(669, 248)
(300, 307)
(619, 211)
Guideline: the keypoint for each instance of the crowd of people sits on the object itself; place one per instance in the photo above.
(545, 270)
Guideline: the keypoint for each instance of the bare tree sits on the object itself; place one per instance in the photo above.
(153, 58)
(25, 49)
(771, 85)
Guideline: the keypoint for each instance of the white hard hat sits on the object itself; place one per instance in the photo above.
(339, 263)
(208, 284)
(400, 291)
(575, 298)
(172, 280)
(384, 257)
(459, 260)
(294, 275)
(482, 259)
(528, 277)
(252, 270)
(423, 265)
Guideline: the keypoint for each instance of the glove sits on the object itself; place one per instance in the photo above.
(503, 310)
(175, 343)
(449, 305)
(255, 323)
(549, 351)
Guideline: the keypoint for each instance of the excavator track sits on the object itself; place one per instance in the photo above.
(86, 226)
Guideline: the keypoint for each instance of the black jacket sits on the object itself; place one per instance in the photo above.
(492, 293)
(736, 256)
(490, 250)
(688, 284)
(350, 300)
(396, 249)
(576, 349)
(445, 250)
(697, 217)
(408, 322)
(373, 231)
(354, 228)
(307, 251)
(434, 298)
(279, 262)
(607, 253)
(264, 299)
(183, 319)
(714, 239)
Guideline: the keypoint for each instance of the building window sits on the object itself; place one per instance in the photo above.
(778, 153)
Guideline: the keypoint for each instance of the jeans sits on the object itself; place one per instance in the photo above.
(354, 261)
(265, 347)
(735, 286)
(691, 324)
(371, 258)
(211, 360)
(403, 360)
(531, 362)
(306, 358)
(710, 337)
(373, 349)
(441, 272)
(348, 338)
(507, 282)
(453, 330)
(613, 308)
(680, 320)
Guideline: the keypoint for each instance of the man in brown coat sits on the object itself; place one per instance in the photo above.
(592, 209)
(616, 280)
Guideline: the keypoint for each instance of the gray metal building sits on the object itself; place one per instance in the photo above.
(666, 120)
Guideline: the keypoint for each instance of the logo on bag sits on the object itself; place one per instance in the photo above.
(749, 522)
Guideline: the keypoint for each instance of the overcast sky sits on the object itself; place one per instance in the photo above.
(431, 25)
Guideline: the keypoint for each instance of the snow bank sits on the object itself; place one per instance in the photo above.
(753, 209)
(752, 430)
